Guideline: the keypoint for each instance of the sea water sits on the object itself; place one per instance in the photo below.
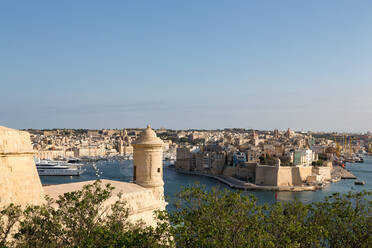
(119, 170)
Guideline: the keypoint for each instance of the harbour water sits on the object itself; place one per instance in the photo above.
(122, 171)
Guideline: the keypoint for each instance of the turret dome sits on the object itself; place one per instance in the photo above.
(148, 137)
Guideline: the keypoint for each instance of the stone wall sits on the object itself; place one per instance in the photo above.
(246, 172)
(141, 202)
(286, 177)
(305, 171)
(19, 181)
(324, 172)
(266, 175)
(229, 171)
(282, 175)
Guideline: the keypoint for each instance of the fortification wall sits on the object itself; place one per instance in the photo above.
(141, 202)
(305, 171)
(285, 177)
(282, 175)
(266, 175)
(229, 171)
(324, 172)
(19, 181)
(247, 172)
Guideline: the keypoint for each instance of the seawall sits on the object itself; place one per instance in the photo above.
(238, 184)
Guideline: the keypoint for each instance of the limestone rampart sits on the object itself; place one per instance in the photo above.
(324, 172)
(285, 176)
(141, 202)
(266, 175)
(282, 175)
(305, 171)
(19, 181)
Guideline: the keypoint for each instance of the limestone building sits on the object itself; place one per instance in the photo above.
(124, 144)
(183, 158)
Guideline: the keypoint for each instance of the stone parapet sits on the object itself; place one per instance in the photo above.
(19, 181)
(14, 142)
(141, 202)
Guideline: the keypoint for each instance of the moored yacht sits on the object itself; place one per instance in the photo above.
(57, 168)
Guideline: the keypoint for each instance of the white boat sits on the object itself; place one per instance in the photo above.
(57, 168)
(168, 162)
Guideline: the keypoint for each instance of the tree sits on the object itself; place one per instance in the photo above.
(233, 219)
(217, 219)
(345, 220)
(81, 219)
(9, 218)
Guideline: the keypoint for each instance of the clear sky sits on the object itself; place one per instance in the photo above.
(259, 64)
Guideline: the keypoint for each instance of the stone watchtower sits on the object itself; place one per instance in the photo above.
(148, 162)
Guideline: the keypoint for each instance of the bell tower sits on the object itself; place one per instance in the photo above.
(148, 162)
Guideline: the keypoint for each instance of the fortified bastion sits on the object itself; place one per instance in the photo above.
(20, 183)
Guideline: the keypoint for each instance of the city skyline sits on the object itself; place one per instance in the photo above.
(198, 65)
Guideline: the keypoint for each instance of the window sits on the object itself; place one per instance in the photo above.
(159, 170)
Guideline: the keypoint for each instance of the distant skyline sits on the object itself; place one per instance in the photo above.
(306, 65)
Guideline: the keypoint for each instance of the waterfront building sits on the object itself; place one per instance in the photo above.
(183, 158)
(50, 154)
(304, 157)
(125, 144)
(239, 158)
(89, 151)
(124, 149)
(210, 161)
(253, 156)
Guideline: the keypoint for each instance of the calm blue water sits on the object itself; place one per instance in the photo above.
(121, 171)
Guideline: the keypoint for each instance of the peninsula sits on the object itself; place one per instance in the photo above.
(278, 161)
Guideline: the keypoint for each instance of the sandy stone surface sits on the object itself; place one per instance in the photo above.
(19, 181)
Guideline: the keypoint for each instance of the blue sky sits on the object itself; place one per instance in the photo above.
(265, 64)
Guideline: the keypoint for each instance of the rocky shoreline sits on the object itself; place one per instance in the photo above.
(339, 172)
